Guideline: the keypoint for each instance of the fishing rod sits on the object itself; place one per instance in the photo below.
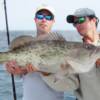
(8, 39)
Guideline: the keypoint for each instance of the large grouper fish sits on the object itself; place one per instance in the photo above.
(53, 56)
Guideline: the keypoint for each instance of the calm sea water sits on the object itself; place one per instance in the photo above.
(6, 92)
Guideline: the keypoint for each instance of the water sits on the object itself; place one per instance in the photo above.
(5, 78)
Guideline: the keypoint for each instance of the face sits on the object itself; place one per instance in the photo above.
(86, 27)
(44, 21)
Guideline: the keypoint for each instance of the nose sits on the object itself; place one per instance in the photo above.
(43, 20)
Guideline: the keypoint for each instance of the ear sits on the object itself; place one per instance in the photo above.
(94, 19)
(35, 19)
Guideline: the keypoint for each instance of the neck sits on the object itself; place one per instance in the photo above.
(91, 37)
(40, 33)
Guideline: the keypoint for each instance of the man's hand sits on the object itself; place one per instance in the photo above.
(13, 68)
(98, 62)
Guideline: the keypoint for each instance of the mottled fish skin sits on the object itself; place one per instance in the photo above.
(48, 55)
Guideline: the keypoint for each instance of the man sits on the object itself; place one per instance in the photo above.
(34, 88)
(85, 22)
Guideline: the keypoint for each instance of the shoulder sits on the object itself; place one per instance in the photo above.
(21, 40)
(56, 36)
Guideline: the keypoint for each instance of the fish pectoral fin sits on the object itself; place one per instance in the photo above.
(79, 68)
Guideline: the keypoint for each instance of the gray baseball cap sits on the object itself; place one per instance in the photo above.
(81, 12)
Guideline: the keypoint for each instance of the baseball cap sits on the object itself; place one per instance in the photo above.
(81, 12)
(46, 7)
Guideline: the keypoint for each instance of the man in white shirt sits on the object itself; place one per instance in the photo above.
(34, 88)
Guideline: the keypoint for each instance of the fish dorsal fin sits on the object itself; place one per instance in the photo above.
(21, 41)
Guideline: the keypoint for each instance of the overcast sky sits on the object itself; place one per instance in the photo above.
(21, 12)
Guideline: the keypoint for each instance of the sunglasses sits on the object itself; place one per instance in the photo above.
(79, 20)
(41, 17)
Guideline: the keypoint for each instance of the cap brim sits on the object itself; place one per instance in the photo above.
(70, 18)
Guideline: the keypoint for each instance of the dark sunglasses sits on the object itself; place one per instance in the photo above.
(79, 20)
(41, 17)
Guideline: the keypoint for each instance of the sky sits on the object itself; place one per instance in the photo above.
(21, 12)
